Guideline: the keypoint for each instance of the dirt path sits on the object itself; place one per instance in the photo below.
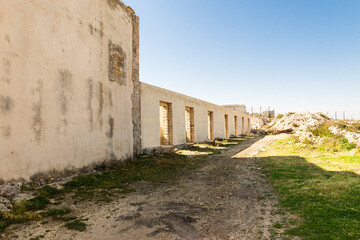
(226, 199)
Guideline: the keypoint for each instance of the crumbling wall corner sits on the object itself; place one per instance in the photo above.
(135, 97)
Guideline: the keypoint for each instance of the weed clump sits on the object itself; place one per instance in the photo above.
(321, 131)
(77, 225)
(327, 141)
(28, 210)
(350, 127)
(55, 212)
(49, 192)
(37, 203)
(322, 139)
(8, 218)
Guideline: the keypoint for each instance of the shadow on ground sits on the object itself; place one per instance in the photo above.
(327, 202)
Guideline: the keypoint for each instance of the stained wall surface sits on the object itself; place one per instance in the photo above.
(70, 94)
(61, 104)
(151, 96)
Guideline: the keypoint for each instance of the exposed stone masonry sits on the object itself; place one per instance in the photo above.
(135, 97)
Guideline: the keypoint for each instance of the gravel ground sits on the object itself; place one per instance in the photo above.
(226, 199)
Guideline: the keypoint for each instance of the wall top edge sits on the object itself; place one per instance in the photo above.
(186, 96)
(113, 4)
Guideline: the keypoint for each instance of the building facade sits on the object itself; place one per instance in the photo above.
(170, 118)
(70, 93)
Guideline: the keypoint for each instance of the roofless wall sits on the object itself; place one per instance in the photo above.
(69, 94)
(70, 91)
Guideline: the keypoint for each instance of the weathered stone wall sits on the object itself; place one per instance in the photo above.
(135, 97)
(69, 85)
(151, 96)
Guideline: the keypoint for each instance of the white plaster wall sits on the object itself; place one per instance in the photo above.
(56, 100)
(150, 99)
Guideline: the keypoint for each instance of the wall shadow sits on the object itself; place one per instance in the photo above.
(328, 202)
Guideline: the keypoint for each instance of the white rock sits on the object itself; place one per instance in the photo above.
(5, 205)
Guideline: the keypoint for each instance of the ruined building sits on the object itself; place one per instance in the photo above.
(70, 94)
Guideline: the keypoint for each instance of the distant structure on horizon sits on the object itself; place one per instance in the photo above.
(267, 113)
(237, 107)
(242, 108)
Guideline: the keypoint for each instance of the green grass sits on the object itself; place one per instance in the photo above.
(56, 213)
(211, 148)
(28, 210)
(321, 188)
(115, 180)
(77, 225)
(233, 141)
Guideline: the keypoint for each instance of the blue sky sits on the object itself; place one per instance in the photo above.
(291, 55)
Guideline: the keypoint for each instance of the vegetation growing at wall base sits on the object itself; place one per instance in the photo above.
(108, 183)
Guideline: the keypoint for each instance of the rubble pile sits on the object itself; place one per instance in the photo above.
(5, 205)
(299, 123)
(352, 137)
(10, 189)
(259, 122)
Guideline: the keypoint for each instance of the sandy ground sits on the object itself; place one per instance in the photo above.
(227, 199)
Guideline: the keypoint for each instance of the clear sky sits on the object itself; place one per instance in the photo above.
(291, 55)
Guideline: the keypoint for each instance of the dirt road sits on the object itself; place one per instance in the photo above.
(226, 199)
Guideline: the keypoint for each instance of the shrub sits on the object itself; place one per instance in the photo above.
(330, 141)
(308, 141)
(321, 131)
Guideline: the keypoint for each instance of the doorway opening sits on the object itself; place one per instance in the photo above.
(166, 130)
(210, 125)
(226, 126)
(243, 126)
(236, 126)
(190, 125)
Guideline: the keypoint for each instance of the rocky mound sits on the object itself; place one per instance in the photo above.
(297, 122)
(352, 137)
(259, 122)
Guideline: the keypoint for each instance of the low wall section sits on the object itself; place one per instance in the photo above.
(151, 96)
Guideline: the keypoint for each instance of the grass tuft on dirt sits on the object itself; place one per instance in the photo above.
(115, 180)
(77, 225)
(321, 188)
